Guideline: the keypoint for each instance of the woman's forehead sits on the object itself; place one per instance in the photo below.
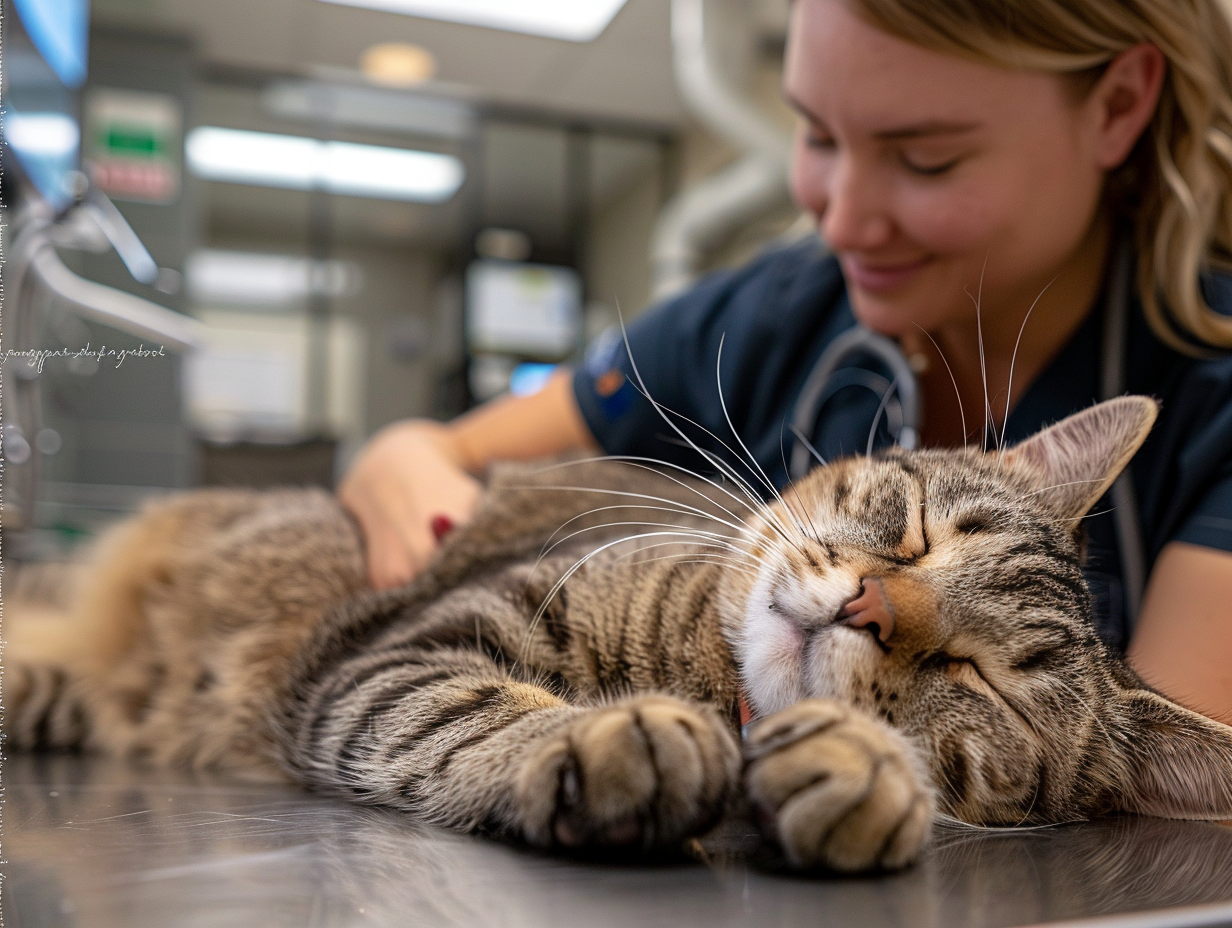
(841, 68)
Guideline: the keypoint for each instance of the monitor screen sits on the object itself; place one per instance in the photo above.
(44, 65)
(531, 310)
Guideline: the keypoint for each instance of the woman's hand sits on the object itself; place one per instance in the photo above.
(412, 472)
(406, 476)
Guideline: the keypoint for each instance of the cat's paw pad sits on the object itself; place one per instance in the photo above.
(837, 789)
(644, 773)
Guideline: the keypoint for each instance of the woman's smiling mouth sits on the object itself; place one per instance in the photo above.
(880, 278)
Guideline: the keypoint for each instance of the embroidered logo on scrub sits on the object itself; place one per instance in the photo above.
(612, 388)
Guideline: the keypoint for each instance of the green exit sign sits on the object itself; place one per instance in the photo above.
(135, 143)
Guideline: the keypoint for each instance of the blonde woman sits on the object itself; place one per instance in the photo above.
(968, 162)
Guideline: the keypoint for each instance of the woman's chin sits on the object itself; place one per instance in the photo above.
(892, 316)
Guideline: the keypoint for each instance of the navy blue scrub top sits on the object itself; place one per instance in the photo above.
(781, 311)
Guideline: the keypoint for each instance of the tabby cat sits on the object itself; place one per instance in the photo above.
(910, 631)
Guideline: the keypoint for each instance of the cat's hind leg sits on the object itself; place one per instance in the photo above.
(44, 706)
(82, 662)
(837, 788)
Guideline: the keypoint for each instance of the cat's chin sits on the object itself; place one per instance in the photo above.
(783, 667)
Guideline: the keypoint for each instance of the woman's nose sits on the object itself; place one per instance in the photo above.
(848, 204)
(853, 219)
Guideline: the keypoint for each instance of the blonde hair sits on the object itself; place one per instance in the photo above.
(1176, 186)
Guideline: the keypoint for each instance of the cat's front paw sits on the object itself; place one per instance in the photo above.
(643, 773)
(837, 788)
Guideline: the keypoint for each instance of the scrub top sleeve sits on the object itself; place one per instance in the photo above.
(607, 389)
(769, 317)
(611, 391)
(1210, 525)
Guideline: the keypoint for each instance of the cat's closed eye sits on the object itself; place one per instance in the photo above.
(972, 523)
(965, 672)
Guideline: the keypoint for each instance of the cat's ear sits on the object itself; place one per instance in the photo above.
(1174, 763)
(1077, 459)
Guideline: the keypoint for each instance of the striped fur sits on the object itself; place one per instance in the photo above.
(511, 692)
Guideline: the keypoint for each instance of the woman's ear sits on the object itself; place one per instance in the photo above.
(1123, 101)
(1174, 763)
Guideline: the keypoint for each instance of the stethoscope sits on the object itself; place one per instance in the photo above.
(823, 382)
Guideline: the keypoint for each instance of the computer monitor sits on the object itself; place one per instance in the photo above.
(529, 310)
(45, 56)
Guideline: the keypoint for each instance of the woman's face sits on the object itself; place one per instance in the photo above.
(926, 171)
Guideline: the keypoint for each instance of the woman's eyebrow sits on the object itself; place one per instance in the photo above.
(925, 129)
(929, 128)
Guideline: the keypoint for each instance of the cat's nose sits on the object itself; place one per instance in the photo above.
(870, 610)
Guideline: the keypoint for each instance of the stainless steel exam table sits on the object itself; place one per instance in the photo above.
(92, 842)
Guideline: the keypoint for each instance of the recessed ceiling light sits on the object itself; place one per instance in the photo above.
(397, 64)
(300, 163)
(575, 20)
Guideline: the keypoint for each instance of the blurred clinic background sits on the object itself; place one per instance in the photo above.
(243, 235)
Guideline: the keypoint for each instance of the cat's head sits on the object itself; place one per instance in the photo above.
(943, 591)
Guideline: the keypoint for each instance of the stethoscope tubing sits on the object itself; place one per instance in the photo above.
(854, 341)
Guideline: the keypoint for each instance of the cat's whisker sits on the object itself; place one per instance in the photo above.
(962, 414)
(718, 551)
(979, 324)
(725, 469)
(739, 522)
(578, 565)
(792, 486)
(634, 506)
(747, 489)
(1060, 520)
(691, 533)
(638, 462)
(1057, 486)
(663, 412)
(727, 417)
(872, 432)
(1009, 390)
(949, 821)
(762, 510)
(754, 468)
(686, 557)
(978, 299)
(712, 558)
(714, 460)
(682, 509)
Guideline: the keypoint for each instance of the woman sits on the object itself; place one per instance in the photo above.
(975, 168)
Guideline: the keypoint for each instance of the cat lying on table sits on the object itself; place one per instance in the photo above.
(910, 632)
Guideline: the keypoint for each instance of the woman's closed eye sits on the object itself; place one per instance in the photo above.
(929, 168)
(928, 158)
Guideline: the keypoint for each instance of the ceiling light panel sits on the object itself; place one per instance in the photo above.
(369, 108)
(574, 20)
(299, 163)
(253, 279)
(45, 135)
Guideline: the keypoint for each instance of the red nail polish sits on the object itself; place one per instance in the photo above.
(441, 526)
